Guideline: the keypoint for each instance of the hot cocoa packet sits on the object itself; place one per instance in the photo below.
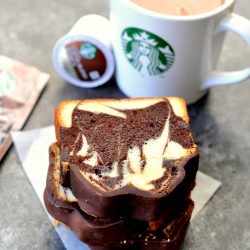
(20, 88)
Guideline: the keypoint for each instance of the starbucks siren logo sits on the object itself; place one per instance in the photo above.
(7, 83)
(147, 52)
(88, 51)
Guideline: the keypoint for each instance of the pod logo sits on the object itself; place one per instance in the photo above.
(88, 51)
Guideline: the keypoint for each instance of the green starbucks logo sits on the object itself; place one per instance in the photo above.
(147, 52)
(7, 83)
(88, 51)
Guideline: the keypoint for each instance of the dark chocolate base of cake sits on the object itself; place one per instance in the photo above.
(88, 229)
(175, 232)
(149, 245)
(123, 233)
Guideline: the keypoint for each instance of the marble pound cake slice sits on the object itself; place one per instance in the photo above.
(120, 233)
(132, 158)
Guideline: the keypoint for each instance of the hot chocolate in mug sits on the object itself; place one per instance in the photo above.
(166, 55)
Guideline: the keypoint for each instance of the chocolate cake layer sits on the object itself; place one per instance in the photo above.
(169, 236)
(127, 157)
(125, 234)
(156, 244)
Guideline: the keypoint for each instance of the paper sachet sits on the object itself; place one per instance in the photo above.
(20, 88)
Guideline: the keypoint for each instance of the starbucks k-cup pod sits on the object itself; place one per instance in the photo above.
(83, 57)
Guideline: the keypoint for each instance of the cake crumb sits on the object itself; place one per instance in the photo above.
(154, 225)
(56, 223)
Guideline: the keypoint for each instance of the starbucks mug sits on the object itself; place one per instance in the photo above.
(163, 55)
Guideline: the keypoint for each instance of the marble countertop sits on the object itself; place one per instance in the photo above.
(220, 123)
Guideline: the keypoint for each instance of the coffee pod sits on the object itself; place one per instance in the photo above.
(83, 57)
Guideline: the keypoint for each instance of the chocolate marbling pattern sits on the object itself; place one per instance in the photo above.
(107, 149)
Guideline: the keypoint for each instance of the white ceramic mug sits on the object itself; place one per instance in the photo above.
(163, 55)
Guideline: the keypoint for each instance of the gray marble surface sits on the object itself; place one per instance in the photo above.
(220, 122)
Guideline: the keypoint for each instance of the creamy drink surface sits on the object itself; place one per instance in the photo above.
(180, 7)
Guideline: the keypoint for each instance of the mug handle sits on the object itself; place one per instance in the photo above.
(240, 26)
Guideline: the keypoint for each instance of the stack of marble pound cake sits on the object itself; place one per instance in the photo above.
(122, 171)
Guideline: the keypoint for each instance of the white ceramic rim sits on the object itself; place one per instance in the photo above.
(208, 14)
(110, 67)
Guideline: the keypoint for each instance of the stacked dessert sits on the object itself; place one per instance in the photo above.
(121, 172)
